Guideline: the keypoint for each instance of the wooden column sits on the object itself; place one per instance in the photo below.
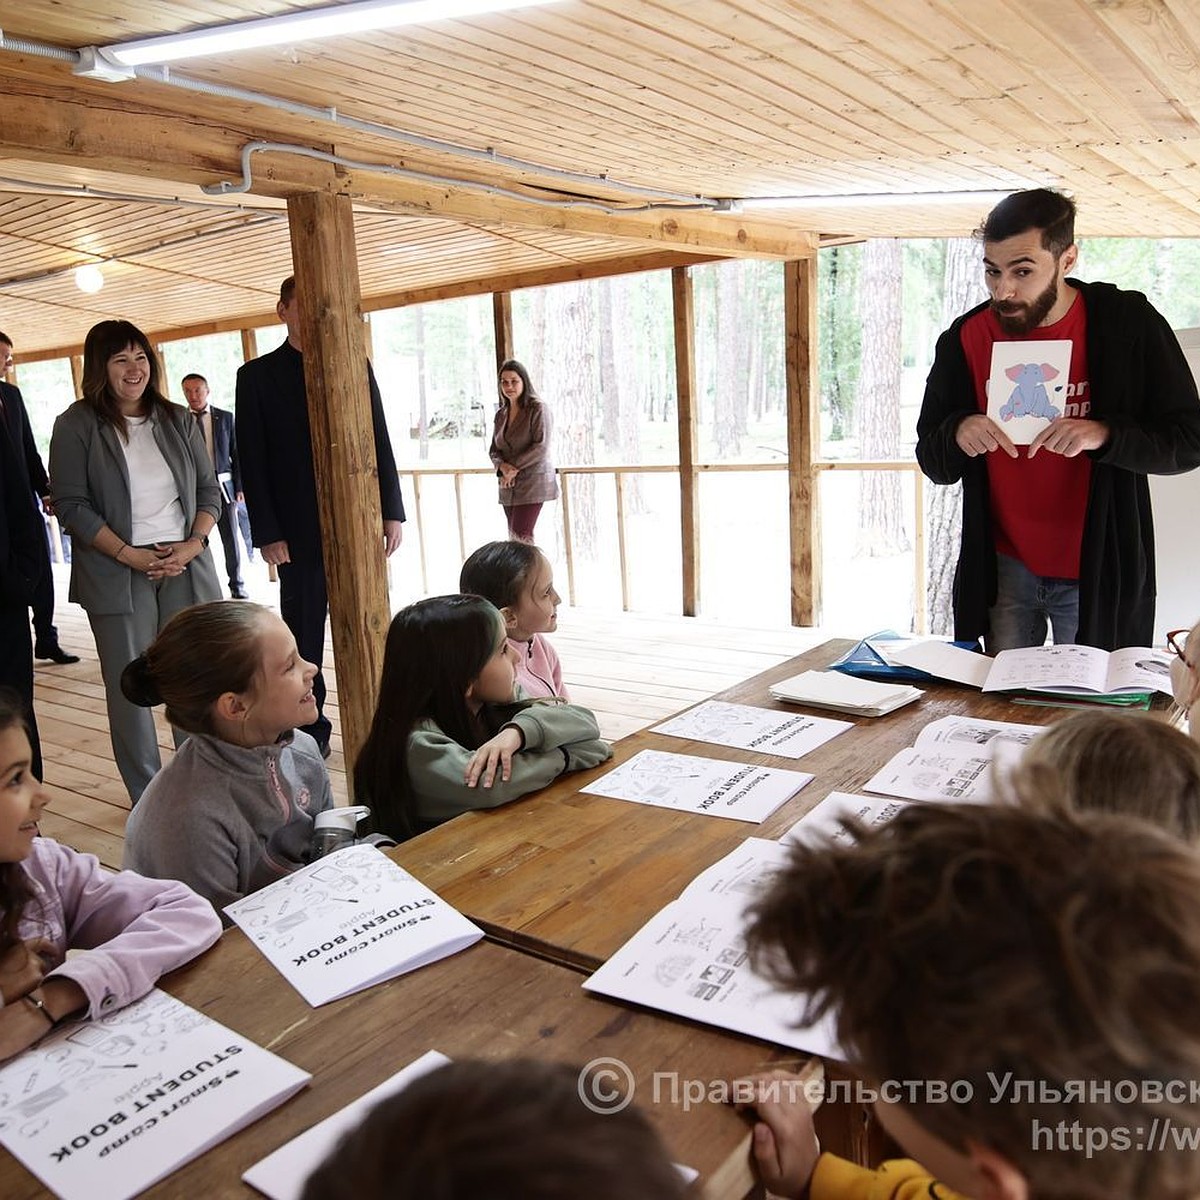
(502, 321)
(803, 437)
(339, 412)
(685, 394)
(249, 344)
(77, 374)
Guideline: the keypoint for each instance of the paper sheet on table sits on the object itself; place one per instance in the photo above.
(946, 662)
(823, 824)
(744, 727)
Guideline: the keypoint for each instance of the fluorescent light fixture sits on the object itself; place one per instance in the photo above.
(288, 28)
(89, 278)
(877, 199)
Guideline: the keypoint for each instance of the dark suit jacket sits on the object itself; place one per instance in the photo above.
(225, 453)
(22, 536)
(29, 461)
(275, 454)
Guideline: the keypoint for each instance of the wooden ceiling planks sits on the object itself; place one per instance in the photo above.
(712, 97)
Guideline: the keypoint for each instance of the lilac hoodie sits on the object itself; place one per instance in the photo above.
(133, 929)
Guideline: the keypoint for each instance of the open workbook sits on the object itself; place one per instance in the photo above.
(690, 959)
(1067, 669)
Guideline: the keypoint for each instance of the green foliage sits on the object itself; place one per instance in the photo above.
(839, 335)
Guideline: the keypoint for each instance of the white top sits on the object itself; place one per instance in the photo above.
(153, 496)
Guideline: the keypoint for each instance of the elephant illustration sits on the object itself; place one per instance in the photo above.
(1029, 398)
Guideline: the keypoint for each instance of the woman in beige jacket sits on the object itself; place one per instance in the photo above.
(520, 452)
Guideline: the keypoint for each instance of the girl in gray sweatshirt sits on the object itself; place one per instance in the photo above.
(233, 810)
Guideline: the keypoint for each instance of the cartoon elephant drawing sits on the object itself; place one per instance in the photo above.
(1029, 398)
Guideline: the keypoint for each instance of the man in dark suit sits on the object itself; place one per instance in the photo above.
(32, 474)
(275, 447)
(216, 427)
(23, 560)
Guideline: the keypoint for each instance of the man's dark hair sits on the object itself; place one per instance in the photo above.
(6, 339)
(194, 375)
(1039, 208)
(1009, 951)
(515, 1130)
(287, 289)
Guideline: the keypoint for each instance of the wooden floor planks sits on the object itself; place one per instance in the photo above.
(631, 669)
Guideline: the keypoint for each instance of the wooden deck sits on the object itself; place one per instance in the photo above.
(630, 669)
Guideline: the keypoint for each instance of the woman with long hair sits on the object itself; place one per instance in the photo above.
(520, 451)
(134, 484)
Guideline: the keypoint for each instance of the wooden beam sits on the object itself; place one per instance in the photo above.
(656, 260)
(78, 126)
(502, 323)
(803, 438)
(343, 441)
(249, 344)
(689, 445)
(76, 361)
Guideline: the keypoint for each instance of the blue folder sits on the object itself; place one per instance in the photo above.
(866, 662)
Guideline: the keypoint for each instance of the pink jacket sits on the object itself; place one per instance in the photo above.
(538, 670)
(134, 929)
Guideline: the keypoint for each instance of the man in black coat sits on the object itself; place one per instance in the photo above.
(275, 449)
(216, 427)
(32, 474)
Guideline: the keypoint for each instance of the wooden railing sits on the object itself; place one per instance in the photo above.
(621, 472)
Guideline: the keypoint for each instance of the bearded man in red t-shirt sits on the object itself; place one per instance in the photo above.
(1058, 533)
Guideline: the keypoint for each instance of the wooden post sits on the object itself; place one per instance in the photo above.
(803, 437)
(249, 344)
(564, 504)
(689, 478)
(343, 441)
(502, 320)
(619, 480)
(77, 374)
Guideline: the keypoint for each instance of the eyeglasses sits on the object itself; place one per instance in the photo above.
(1176, 640)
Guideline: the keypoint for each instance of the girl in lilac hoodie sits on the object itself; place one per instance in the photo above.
(53, 900)
(518, 579)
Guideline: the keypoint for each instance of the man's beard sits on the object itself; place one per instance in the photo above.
(1017, 319)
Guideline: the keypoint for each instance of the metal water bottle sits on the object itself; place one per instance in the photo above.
(334, 829)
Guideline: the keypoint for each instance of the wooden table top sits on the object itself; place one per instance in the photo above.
(488, 1002)
(572, 877)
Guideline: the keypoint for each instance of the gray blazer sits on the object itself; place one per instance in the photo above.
(90, 482)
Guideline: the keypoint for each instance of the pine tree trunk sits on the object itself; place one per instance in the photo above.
(880, 527)
(962, 289)
(571, 391)
(422, 395)
(610, 395)
(728, 422)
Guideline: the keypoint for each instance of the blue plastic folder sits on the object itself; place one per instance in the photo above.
(867, 662)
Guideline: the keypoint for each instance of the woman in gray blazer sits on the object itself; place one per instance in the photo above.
(520, 452)
(133, 482)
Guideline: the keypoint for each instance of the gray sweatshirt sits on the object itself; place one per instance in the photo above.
(227, 820)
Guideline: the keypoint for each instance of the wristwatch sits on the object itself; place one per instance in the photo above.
(199, 537)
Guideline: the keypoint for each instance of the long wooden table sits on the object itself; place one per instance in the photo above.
(488, 1002)
(571, 877)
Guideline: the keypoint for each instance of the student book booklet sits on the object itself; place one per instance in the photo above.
(744, 727)
(714, 787)
(1082, 671)
(953, 760)
(825, 822)
(349, 920)
(690, 958)
(101, 1110)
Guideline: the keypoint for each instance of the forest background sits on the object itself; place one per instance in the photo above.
(602, 357)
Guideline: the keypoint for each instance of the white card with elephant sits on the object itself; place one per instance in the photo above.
(1028, 386)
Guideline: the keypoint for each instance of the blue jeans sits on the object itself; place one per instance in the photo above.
(1026, 603)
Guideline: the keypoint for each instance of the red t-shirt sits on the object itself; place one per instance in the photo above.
(1037, 506)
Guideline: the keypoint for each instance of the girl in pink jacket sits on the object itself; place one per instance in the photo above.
(53, 900)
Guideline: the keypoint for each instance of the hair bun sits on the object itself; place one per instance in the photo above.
(138, 685)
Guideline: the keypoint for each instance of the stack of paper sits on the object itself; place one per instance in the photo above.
(844, 693)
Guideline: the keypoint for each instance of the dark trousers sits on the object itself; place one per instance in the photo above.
(16, 667)
(225, 528)
(521, 520)
(304, 605)
(42, 604)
